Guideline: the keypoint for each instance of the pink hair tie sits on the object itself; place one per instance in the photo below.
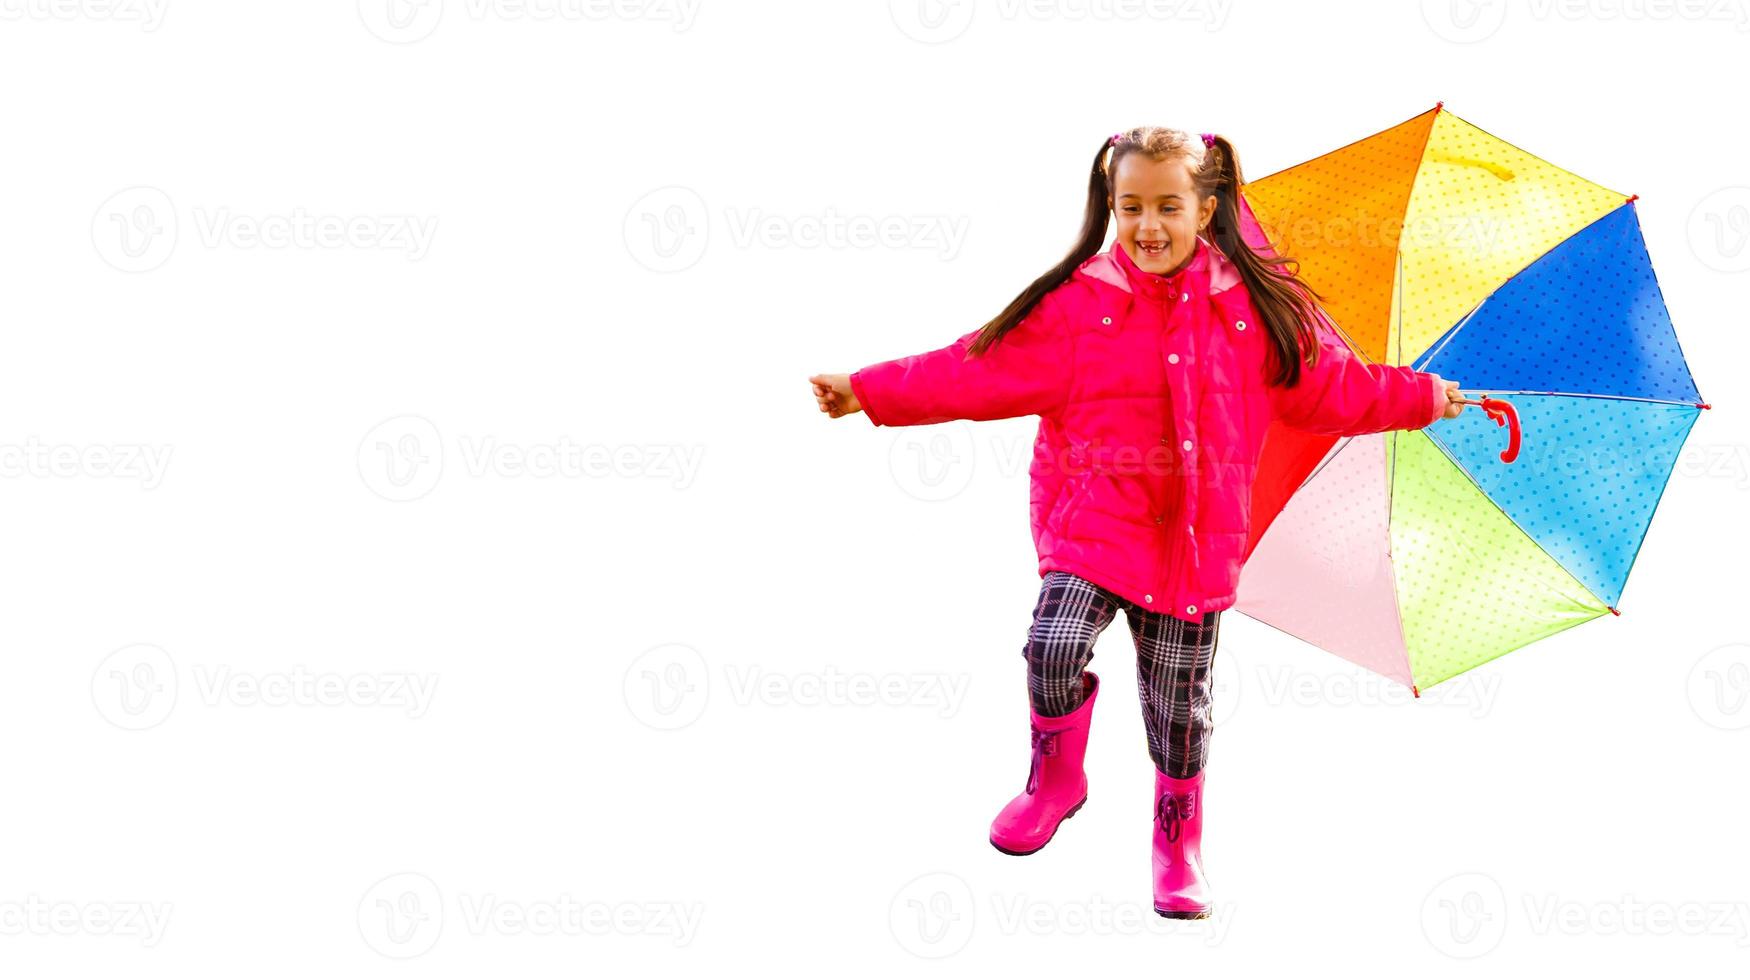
(1116, 139)
(1208, 139)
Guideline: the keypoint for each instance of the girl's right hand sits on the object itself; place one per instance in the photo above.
(834, 395)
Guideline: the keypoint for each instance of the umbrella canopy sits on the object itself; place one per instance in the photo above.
(1422, 554)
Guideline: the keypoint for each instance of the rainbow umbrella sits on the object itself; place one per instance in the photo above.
(1422, 554)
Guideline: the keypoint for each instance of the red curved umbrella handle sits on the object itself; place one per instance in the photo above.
(1505, 414)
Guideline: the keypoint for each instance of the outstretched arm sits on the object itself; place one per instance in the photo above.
(1027, 372)
(1347, 396)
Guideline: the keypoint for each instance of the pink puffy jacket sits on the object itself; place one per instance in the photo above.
(1153, 413)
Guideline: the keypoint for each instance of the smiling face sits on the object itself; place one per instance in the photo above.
(1155, 206)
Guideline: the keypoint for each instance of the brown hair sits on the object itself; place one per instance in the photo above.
(1287, 305)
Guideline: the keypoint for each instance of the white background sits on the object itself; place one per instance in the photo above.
(354, 679)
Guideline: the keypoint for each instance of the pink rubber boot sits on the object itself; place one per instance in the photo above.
(1180, 889)
(1056, 785)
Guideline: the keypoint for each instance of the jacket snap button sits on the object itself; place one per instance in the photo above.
(1159, 519)
(1240, 325)
(1172, 358)
(1148, 598)
(1184, 297)
(1191, 609)
(1187, 445)
(1106, 320)
(1163, 440)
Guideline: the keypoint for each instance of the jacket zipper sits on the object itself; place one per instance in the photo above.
(1167, 564)
(1164, 563)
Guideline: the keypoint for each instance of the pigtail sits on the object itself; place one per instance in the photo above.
(1095, 217)
(1288, 306)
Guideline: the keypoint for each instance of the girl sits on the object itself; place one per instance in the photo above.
(1155, 368)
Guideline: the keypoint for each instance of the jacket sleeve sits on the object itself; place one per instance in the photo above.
(1347, 396)
(1027, 372)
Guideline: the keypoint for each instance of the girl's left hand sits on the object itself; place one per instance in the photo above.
(1453, 408)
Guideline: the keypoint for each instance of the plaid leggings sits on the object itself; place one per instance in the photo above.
(1173, 660)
